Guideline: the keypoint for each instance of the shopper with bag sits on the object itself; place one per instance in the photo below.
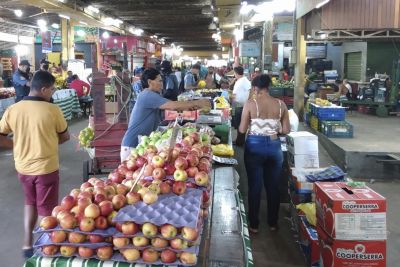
(263, 119)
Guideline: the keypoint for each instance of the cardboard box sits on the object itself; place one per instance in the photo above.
(300, 143)
(308, 239)
(298, 198)
(111, 107)
(344, 253)
(299, 181)
(348, 213)
(303, 161)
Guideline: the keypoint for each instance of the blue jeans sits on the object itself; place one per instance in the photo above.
(263, 159)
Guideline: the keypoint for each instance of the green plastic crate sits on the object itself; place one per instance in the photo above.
(337, 129)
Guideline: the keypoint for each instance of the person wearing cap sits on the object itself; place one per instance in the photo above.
(255, 73)
(44, 65)
(21, 80)
(170, 82)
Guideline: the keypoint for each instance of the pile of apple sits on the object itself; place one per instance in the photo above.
(156, 243)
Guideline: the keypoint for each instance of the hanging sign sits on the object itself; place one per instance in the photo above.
(47, 44)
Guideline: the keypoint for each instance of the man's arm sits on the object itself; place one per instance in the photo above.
(6, 142)
(63, 137)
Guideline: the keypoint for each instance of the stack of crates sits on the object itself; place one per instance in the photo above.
(331, 121)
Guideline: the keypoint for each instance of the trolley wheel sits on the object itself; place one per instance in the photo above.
(86, 170)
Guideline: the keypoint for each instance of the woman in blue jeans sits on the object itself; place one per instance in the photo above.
(263, 119)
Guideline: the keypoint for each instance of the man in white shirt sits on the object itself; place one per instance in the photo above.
(240, 94)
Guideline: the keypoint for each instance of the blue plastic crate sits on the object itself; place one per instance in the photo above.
(331, 114)
(337, 129)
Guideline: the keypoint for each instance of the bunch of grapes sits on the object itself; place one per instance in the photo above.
(86, 136)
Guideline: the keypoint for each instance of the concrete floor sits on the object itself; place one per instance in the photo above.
(269, 249)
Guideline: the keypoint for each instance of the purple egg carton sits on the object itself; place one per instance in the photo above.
(119, 257)
(158, 235)
(39, 253)
(193, 249)
(178, 211)
(106, 232)
(45, 240)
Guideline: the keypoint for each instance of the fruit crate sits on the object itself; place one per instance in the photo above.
(330, 113)
(314, 123)
(277, 91)
(337, 129)
(289, 91)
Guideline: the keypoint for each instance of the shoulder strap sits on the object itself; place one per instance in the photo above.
(258, 112)
(280, 109)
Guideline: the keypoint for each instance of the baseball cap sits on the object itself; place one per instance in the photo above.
(44, 61)
(24, 63)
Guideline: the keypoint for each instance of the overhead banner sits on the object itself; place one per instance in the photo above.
(249, 49)
(283, 32)
(47, 44)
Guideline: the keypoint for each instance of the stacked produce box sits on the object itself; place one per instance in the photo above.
(329, 119)
(150, 209)
(283, 90)
(351, 225)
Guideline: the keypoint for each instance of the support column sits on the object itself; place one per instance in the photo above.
(300, 69)
(64, 40)
(71, 41)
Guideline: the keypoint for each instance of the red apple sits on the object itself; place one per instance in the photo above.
(92, 211)
(164, 155)
(68, 222)
(168, 231)
(148, 170)
(178, 243)
(180, 175)
(192, 160)
(101, 223)
(56, 210)
(175, 153)
(192, 171)
(74, 237)
(181, 164)
(188, 258)
(67, 251)
(206, 196)
(75, 193)
(83, 202)
(149, 230)
(165, 188)
(117, 177)
(157, 162)
(99, 198)
(155, 187)
(96, 239)
(158, 174)
(195, 136)
(169, 169)
(132, 198)
(168, 256)
(201, 178)
(179, 188)
(48, 222)
(140, 241)
(122, 189)
(111, 216)
(140, 161)
(159, 242)
(99, 183)
(189, 233)
(130, 228)
(106, 207)
(50, 250)
(131, 254)
(131, 165)
(129, 175)
(118, 201)
(149, 255)
(104, 253)
(205, 167)
(62, 214)
(120, 242)
(85, 185)
(122, 169)
(87, 225)
(58, 236)
(150, 197)
(85, 252)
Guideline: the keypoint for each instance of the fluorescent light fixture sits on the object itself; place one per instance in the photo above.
(215, 19)
(13, 38)
(21, 50)
(81, 33)
(252, 24)
(118, 21)
(115, 41)
(238, 34)
(137, 32)
(93, 9)
(82, 23)
(41, 22)
(322, 3)
(108, 21)
(62, 1)
(105, 35)
(18, 12)
(63, 16)
(55, 26)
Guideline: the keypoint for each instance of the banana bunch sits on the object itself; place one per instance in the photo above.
(221, 102)
(85, 137)
(322, 102)
(223, 150)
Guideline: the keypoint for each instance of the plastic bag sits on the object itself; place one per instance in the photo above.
(294, 121)
(310, 212)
